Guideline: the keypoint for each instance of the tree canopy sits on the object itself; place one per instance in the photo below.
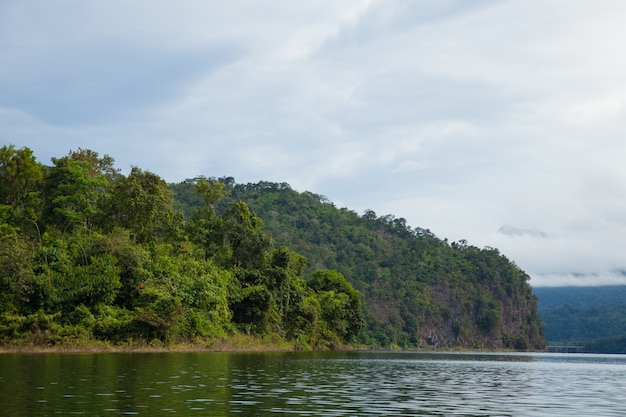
(88, 254)
(415, 289)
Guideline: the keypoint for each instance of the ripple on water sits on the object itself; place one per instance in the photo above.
(364, 384)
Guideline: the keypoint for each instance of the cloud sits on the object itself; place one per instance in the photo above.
(459, 116)
(514, 231)
(103, 83)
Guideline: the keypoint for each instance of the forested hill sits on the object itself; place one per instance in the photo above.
(583, 297)
(594, 316)
(91, 256)
(418, 289)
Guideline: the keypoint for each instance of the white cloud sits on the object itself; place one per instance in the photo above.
(509, 230)
(460, 117)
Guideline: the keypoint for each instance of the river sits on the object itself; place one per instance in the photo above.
(312, 384)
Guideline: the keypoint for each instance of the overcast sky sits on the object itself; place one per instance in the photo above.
(501, 122)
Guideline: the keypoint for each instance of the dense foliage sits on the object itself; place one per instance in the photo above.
(88, 255)
(613, 345)
(418, 290)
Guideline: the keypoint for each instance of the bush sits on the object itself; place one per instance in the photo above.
(116, 324)
(158, 309)
(11, 327)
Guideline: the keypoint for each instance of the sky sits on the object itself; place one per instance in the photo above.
(501, 122)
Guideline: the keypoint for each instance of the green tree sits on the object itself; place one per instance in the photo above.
(97, 165)
(206, 227)
(72, 194)
(244, 234)
(252, 308)
(132, 260)
(7, 221)
(341, 304)
(211, 191)
(158, 309)
(96, 282)
(21, 179)
(17, 278)
(142, 203)
(20, 174)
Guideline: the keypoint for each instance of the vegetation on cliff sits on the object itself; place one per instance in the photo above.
(418, 290)
(88, 255)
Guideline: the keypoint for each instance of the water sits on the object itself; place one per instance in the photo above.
(312, 384)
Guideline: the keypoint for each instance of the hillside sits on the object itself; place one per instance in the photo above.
(593, 315)
(418, 289)
(584, 297)
(91, 256)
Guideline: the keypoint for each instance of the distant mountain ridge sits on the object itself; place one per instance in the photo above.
(588, 296)
(583, 314)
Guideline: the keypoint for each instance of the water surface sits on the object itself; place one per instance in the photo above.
(312, 384)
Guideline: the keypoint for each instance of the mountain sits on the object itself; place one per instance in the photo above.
(583, 314)
(583, 297)
(89, 256)
(418, 289)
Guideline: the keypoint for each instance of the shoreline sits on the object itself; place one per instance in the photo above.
(240, 344)
(233, 344)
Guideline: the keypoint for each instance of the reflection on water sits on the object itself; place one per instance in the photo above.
(312, 384)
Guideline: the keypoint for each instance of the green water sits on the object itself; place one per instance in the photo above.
(311, 384)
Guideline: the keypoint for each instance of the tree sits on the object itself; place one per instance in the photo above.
(252, 308)
(211, 191)
(158, 309)
(284, 280)
(244, 234)
(205, 227)
(142, 203)
(132, 260)
(96, 282)
(72, 194)
(97, 165)
(20, 173)
(341, 304)
(20, 185)
(16, 272)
